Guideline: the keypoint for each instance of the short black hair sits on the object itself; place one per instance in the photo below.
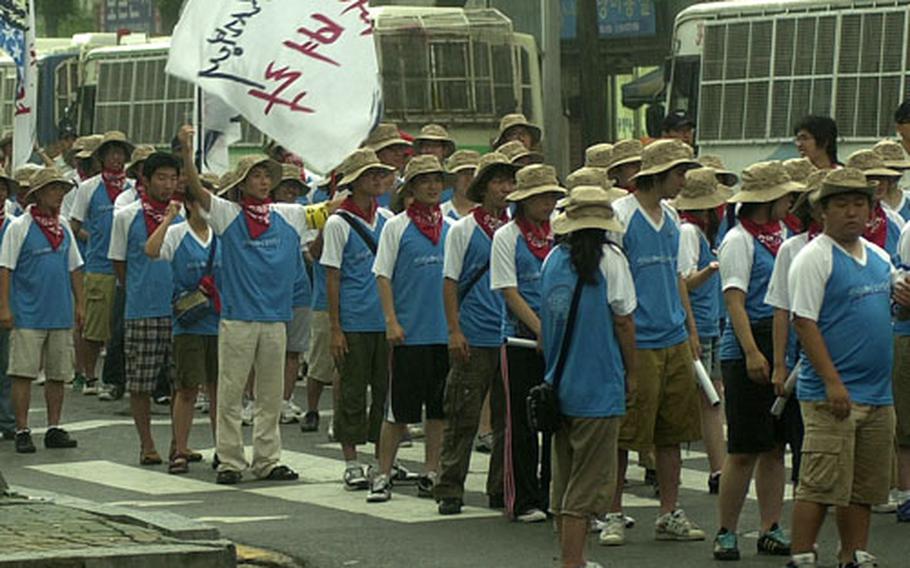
(902, 114)
(676, 120)
(825, 200)
(157, 161)
(824, 130)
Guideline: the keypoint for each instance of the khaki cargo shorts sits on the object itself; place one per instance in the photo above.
(99, 290)
(31, 350)
(584, 466)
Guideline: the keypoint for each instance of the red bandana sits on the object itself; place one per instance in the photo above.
(692, 219)
(154, 211)
(207, 285)
(815, 229)
(769, 234)
(877, 227)
(113, 183)
(351, 207)
(488, 222)
(427, 219)
(49, 223)
(793, 223)
(2, 215)
(257, 215)
(538, 237)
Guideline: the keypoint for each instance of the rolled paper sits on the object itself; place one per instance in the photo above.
(704, 381)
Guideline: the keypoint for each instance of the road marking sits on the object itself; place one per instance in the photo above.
(145, 504)
(94, 424)
(130, 478)
(239, 520)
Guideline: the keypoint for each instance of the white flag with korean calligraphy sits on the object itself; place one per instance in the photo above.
(17, 38)
(304, 73)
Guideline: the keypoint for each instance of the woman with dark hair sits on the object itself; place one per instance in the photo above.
(816, 139)
(592, 366)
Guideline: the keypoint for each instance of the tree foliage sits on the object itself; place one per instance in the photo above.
(169, 10)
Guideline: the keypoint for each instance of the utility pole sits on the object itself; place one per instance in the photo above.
(594, 125)
(555, 141)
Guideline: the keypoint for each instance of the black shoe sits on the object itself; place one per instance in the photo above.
(215, 462)
(310, 422)
(497, 501)
(7, 435)
(282, 473)
(714, 483)
(450, 506)
(425, 484)
(24, 444)
(228, 477)
(58, 438)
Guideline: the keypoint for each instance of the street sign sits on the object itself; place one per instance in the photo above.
(133, 15)
(615, 18)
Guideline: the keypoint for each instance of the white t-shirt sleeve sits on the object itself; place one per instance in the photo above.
(79, 210)
(221, 214)
(808, 278)
(503, 273)
(620, 286)
(689, 249)
(172, 239)
(334, 239)
(735, 257)
(74, 260)
(778, 294)
(903, 246)
(12, 243)
(389, 241)
(456, 245)
(119, 235)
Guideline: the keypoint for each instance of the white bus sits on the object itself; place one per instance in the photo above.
(749, 70)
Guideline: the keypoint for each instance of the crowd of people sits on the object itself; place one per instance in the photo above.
(435, 288)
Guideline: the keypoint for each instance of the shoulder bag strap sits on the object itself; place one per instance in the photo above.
(210, 263)
(360, 230)
(567, 335)
(463, 293)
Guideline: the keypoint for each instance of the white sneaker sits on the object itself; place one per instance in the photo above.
(288, 414)
(532, 516)
(355, 478)
(863, 559)
(246, 415)
(890, 506)
(42, 378)
(613, 532)
(804, 559)
(297, 410)
(91, 388)
(380, 490)
(202, 403)
(676, 526)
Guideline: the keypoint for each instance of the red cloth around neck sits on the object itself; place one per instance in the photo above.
(538, 237)
(427, 219)
(257, 215)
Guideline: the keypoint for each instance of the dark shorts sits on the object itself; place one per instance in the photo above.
(196, 360)
(751, 428)
(417, 380)
(147, 347)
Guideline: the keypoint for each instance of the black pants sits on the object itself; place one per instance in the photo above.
(114, 370)
(527, 477)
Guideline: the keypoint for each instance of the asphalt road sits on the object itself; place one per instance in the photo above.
(316, 521)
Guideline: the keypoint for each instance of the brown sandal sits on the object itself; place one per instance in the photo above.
(178, 465)
(150, 457)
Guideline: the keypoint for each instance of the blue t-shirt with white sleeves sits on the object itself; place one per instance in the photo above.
(513, 265)
(149, 283)
(319, 301)
(705, 300)
(303, 288)
(653, 251)
(189, 257)
(94, 209)
(413, 264)
(40, 281)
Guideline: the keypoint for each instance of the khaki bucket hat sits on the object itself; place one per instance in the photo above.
(593, 176)
(870, 164)
(22, 176)
(813, 184)
(418, 166)
(510, 121)
(846, 180)
(715, 161)
(701, 191)
(434, 133)
(626, 152)
(489, 164)
(114, 137)
(535, 179)
(765, 182)
(587, 207)
(247, 163)
(384, 135)
(356, 164)
(87, 145)
(462, 160)
(799, 169)
(599, 156)
(140, 154)
(663, 155)
(45, 177)
(515, 151)
(893, 154)
(210, 181)
(290, 172)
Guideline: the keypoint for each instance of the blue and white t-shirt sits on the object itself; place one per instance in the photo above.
(149, 282)
(413, 264)
(126, 197)
(902, 209)
(448, 209)
(40, 281)
(467, 255)
(695, 254)
(746, 266)
(189, 256)
(513, 265)
(93, 208)
(849, 298)
(593, 377)
(778, 295)
(319, 302)
(258, 273)
(653, 253)
(346, 251)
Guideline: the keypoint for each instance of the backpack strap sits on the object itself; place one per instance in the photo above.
(567, 335)
(358, 228)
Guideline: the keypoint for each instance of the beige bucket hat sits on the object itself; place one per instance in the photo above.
(114, 137)
(702, 191)
(535, 179)
(511, 121)
(489, 164)
(592, 176)
(45, 177)
(813, 184)
(765, 182)
(357, 163)
(846, 180)
(140, 154)
(233, 178)
(715, 161)
(85, 147)
(290, 172)
(893, 154)
(210, 181)
(434, 133)
(870, 164)
(462, 160)
(418, 166)
(663, 155)
(384, 135)
(799, 169)
(626, 152)
(599, 156)
(515, 151)
(22, 176)
(587, 207)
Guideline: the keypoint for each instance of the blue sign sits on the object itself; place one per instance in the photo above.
(133, 15)
(615, 18)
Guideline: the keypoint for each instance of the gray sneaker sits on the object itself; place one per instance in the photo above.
(380, 490)
(355, 478)
(676, 526)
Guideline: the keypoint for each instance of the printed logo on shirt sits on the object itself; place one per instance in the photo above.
(654, 259)
(428, 260)
(857, 293)
(267, 243)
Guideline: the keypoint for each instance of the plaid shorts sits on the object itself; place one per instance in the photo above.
(147, 348)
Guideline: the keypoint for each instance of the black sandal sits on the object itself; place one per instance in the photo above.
(228, 477)
(178, 465)
(282, 473)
